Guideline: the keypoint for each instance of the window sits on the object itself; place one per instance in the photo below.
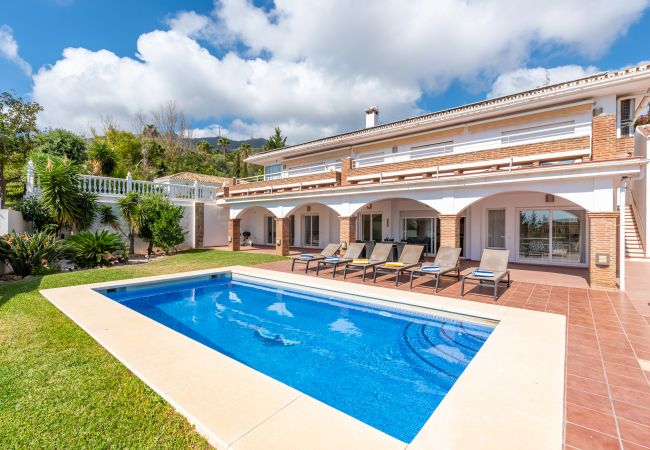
(311, 230)
(539, 132)
(626, 117)
(371, 227)
(273, 172)
(419, 231)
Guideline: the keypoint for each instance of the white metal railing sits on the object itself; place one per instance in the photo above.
(563, 131)
(116, 187)
(295, 172)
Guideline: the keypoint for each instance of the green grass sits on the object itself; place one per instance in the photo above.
(60, 389)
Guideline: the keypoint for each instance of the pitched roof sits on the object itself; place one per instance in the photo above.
(532, 94)
(191, 176)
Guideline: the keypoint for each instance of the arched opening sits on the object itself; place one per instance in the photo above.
(535, 227)
(313, 225)
(260, 223)
(400, 220)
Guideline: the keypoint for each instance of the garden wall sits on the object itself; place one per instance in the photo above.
(10, 220)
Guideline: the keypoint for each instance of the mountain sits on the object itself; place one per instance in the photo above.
(254, 142)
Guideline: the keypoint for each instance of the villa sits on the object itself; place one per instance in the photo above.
(548, 174)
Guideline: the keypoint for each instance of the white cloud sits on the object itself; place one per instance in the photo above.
(311, 67)
(9, 50)
(525, 79)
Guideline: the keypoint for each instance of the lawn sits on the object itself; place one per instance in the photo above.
(60, 389)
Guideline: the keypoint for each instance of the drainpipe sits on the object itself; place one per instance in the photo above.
(622, 203)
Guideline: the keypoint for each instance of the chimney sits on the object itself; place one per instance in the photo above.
(372, 117)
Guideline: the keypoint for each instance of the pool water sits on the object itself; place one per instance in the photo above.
(385, 367)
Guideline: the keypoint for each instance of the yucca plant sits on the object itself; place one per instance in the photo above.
(27, 252)
(88, 249)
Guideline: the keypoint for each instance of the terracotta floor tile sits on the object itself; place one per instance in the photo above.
(586, 385)
(624, 394)
(635, 412)
(637, 381)
(588, 400)
(631, 446)
(634, 432)
(584, 438)
(589, 418)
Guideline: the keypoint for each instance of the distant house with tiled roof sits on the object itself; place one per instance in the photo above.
(191, 177)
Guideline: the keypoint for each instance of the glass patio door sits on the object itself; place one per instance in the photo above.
(370, 227)
(270, 230)
(420, 231)
(554, 235)
(311, 230)
(496, 228)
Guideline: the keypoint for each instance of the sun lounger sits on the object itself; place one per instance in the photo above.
(447, 262)
(492, 270)
(410, 257)
(353, 251)
(309, 258)
(379, 255)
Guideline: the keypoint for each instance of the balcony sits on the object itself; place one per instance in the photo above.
(297, 179)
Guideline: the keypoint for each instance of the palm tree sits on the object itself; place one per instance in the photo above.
(224, 143)
(128, 206)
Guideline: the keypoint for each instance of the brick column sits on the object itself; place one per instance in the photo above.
(603, 137)
(449, 230)
(602, 239)
(346, 166)
(234, 234)
(348, 229)
(282, 225)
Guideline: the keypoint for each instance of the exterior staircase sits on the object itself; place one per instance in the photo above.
(633, 245)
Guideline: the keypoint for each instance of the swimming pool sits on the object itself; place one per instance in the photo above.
(386, 367)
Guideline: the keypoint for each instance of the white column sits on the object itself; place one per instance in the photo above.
(622, 202)
(31, 185)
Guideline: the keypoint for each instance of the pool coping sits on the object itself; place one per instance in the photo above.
(511, 395)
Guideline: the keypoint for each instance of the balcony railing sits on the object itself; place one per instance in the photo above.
(118, 187)
(562, 131)
(292, 173)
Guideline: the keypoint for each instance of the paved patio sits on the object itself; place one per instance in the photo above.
(607, 403)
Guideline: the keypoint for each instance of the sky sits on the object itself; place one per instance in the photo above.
(311, 67)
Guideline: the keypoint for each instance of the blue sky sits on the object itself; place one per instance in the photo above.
(300, 72)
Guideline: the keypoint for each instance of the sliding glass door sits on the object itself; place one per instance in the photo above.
(311, 230)
(419, 231)
(551, 235)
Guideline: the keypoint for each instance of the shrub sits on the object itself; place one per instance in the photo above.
(34, 211)
(157, 221)
(88, 249)
(29, 253)
(166, 231)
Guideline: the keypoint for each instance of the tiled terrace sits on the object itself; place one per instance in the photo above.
(607, 403)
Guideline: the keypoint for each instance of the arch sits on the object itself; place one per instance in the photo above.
(238, 213)
(314, 224)
(357, 206)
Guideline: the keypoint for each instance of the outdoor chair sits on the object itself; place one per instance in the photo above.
(353, 251)
(447, 262)
(379, 255)
(308, 258)
(493, 268)
(410, 257)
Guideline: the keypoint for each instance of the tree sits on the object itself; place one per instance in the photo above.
(128, 206)
(204, 147)
(157, 222)
(17, 128)
(33, 211)
(102, 157)
(63, 198)
(127, 148)
(224, 143)
(63, 143)
(276, 140)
